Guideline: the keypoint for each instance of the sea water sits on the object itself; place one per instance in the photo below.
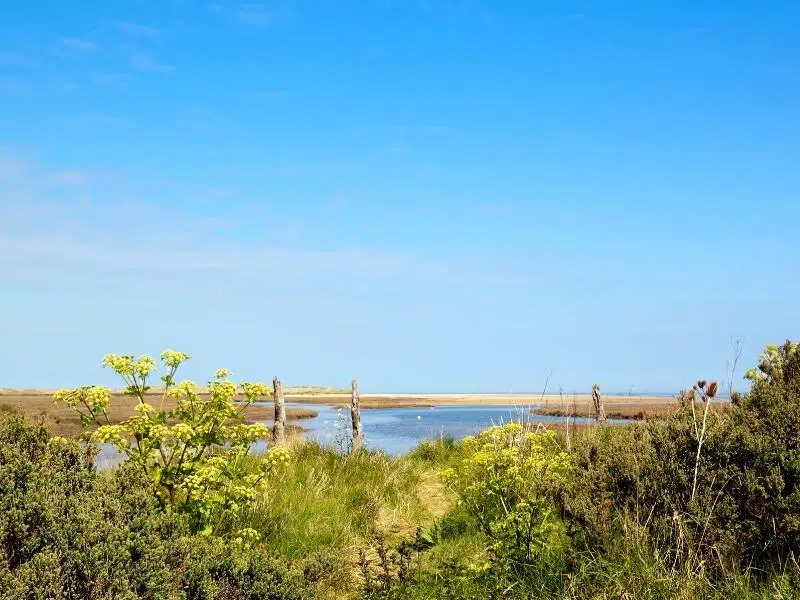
(397, 430)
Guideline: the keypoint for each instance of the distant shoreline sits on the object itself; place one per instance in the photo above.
(392, 400)
(38, 404)
(459, 399)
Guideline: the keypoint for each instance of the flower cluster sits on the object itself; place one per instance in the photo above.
(247, 535)
(128, 366)
(244, 435)
(93, 397)
(771, 362)
(254, 391)
(507, 482)
(276, 457)
(89, 402)
(173, 359)
(115, 435)
(194, 447)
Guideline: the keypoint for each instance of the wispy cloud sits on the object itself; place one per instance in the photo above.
(108, 79)
(284, 169)
(17, 59)
(64, 87)
(397, 149)
(54, 236)
(70, 177)
(142, 61)
(259, 15)
(87, 243)
(77, 44)
(96, 119)
(83, 237)
(217, 192)
(271, 94)
(13, 86)
(498, 209)
(430, 129)
(137, 29)
(436, 129)
(12, 170)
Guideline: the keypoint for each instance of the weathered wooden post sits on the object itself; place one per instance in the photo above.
(599, 411)
(279, 426)
(355, 415)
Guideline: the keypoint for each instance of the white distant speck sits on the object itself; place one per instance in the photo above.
(419, 417)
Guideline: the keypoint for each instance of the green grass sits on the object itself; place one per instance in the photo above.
(324, 511)
(330, 504)
(326, 503)
(325, 500)
(437, 454)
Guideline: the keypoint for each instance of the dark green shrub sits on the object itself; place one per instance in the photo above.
(611, 465)
(67, 531)
(747, 506)
(456, 523)
(743, 510)
(217, 570)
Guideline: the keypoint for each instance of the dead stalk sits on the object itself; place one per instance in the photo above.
(706, 395)
(732, 364)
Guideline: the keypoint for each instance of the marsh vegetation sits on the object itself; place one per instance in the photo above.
(699, 503)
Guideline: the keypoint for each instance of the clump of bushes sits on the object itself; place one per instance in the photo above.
(704, 505)
(742, 508)
(67, 531)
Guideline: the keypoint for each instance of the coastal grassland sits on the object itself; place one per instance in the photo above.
(702, 504)
(326, 503)
(372, 526)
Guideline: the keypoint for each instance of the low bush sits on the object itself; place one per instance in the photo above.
(734, 503)
(69, 532)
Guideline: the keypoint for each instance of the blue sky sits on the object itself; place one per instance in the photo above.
(427, 195)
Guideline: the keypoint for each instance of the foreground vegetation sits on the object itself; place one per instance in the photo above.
(703, 505)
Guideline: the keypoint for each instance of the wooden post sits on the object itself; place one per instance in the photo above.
(279, 426)
(355, 415)
(599, 411)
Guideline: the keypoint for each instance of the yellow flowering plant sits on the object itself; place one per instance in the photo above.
(772, 362)
(195, 453)
(507, 482)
